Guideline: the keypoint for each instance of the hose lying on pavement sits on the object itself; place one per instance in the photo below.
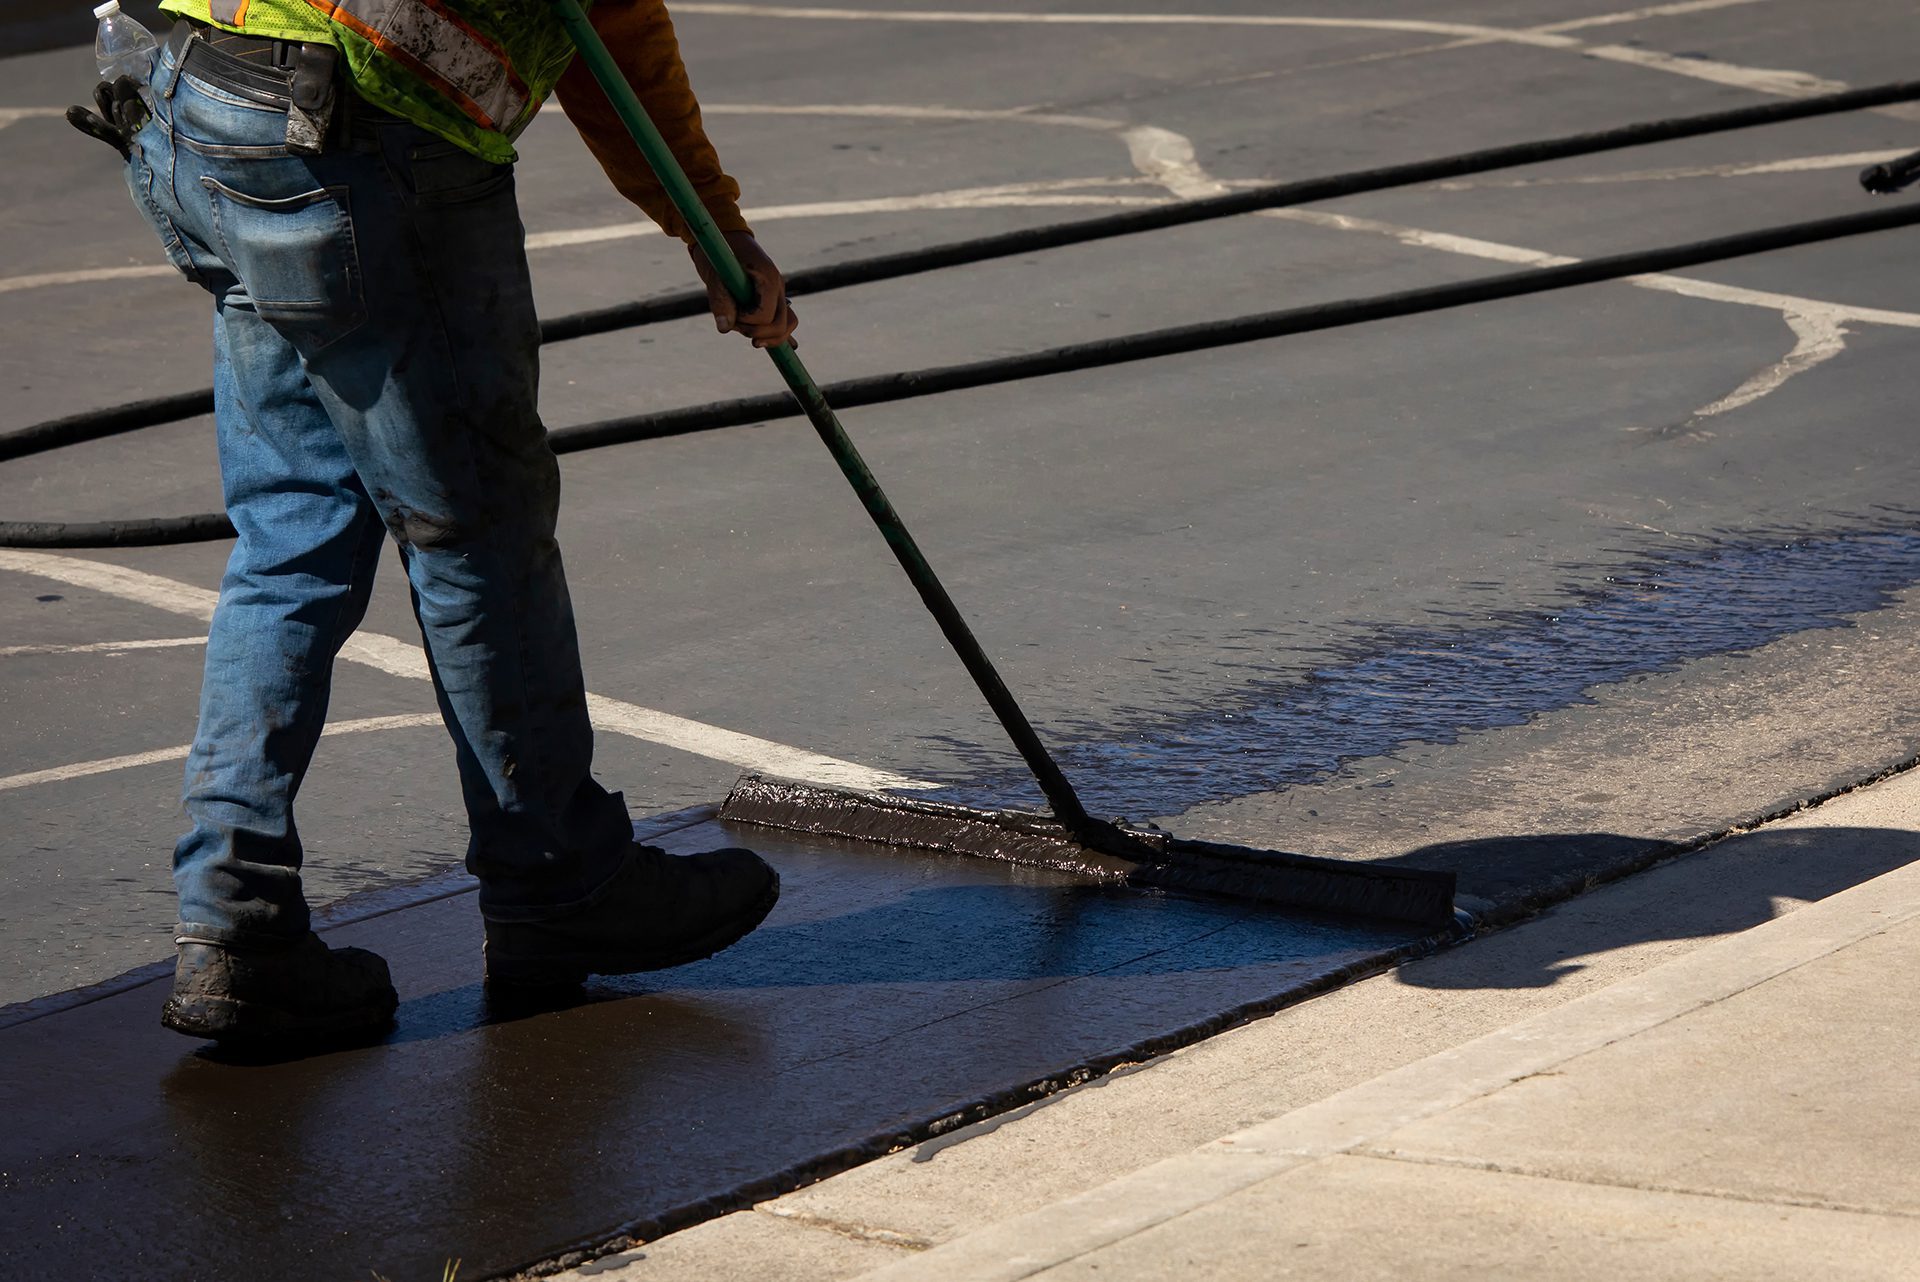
(95, 424)
(881, 388)
(152, 531)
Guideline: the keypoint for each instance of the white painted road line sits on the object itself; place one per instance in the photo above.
(1164, 158)
(1054, 193)
(1676, 10)
(1819, 327)
(1767, 80)
(397, 658)
(13, 115)
(911, 111)
(1007, 17)
(1742, 169)
(1775, 81)
(101, 647)
(116, 581)
(84, 276)
(1060, 193)
(105, 765)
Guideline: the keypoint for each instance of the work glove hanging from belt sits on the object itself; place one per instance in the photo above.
(119, 117)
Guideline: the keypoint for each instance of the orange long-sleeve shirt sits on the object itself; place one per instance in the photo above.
(640, 36)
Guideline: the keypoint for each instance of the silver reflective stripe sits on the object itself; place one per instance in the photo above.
(419, 33)
(227, 12)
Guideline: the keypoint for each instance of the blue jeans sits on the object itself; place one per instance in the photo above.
(375, 370)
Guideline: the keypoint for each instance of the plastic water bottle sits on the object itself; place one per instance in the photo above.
(123, 47)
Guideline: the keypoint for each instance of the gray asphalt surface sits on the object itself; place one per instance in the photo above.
(1157, 550)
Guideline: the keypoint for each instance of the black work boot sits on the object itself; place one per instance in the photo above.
(659, 910)
(301, 992)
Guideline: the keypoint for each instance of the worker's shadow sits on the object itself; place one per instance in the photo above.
(1728, 887)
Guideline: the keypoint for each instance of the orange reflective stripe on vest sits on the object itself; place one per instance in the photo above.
(433, 43)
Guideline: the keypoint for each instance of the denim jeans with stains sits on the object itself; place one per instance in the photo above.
(375, 368)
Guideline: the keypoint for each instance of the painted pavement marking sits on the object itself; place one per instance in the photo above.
(101, 647)
(1676, 10)
(84, 276)
(1818, 326)
(1053, 193)
(81, 769)
(397, 658)
(1739, 169)
(1767, 80)
(14, 115)
(1008, 17)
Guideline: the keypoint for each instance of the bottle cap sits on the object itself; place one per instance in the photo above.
(108, 9)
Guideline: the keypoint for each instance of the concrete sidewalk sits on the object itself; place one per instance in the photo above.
(1744, 1112)
(1643, 1083)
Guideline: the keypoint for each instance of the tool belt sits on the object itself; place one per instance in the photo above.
(303, 79)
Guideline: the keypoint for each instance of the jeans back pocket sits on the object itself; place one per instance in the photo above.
(297, 259)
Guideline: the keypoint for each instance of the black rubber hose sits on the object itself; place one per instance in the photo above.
(94, 424)
(881, 388)
(91, 426)
(1894, 175)
(136, 532)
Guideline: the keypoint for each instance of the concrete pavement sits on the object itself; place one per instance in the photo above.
(1724, 1103)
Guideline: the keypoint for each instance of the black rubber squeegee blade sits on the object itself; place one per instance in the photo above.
(1132, 856)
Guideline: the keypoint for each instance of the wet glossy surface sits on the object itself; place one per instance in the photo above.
(1487, 670)
(887, 991)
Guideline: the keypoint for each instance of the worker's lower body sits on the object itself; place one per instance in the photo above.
(376, 365)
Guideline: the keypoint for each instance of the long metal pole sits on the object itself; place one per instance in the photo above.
(1060, 794)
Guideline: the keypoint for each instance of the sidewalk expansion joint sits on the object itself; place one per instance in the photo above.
(854, 1232)
(1636, 1186)
(951, 1133)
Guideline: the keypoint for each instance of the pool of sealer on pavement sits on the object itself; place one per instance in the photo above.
(1434, 684)
(888, 991)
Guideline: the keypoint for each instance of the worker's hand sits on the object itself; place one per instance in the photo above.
(121, 114)
(771, 321)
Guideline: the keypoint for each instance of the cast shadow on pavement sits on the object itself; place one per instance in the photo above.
(1728, 887)
(932, 939)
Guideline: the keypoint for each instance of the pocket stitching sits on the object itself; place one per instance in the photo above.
(355, 315)
(171, 242)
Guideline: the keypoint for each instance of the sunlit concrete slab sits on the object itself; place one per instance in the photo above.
(1449, 1224)
(1810, 1123)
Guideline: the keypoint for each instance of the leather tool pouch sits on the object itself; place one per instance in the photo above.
(310, 114)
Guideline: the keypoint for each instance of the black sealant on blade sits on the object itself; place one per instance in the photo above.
(1141, 858)
(1012, 835)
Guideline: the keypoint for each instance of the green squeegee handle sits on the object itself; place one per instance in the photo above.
(1060, 795)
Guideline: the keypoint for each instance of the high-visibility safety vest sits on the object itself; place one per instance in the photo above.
(472, 71)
